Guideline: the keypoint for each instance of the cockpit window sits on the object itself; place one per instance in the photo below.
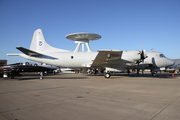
(161, 55)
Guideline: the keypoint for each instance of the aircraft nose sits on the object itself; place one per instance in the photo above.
(170, 62)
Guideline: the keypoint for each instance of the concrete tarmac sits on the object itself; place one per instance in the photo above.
(82, 97)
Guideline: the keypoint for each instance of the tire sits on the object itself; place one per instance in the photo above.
(107, 75)
(154, 74)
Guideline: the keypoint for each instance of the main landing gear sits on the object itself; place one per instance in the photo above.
(41, 75)
(107, 75)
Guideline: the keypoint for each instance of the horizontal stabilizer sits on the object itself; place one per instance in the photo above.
(105, 56)
(13, 54)
(33, 53)
(28, 52)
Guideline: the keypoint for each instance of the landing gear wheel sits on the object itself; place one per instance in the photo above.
(107, 75)
(137, 71)
(154, 74)
(128, 71)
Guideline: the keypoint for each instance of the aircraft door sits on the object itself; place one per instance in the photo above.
(154, 62)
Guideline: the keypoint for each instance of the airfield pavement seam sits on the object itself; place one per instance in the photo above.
(5, 116)
(165, 108)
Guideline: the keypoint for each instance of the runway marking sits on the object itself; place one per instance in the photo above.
(5, 116)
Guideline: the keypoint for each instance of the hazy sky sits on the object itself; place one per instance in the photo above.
(123, 24)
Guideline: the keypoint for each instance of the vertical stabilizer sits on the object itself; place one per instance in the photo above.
(38, 42)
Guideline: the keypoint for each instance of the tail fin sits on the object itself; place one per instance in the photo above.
(40, 45)
(38, 42)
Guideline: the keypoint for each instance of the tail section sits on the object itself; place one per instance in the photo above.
(38, 42)
(40, 45)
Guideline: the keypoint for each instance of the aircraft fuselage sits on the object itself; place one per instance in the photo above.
(81, 59)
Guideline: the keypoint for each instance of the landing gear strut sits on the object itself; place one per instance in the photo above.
(153, 73)
(128, 71)
(41, 75)
(137, 71)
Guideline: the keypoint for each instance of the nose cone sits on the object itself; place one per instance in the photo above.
(170, 62)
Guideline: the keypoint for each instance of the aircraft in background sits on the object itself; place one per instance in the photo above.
(17, 68)
(68, 70)
(175, 67)
(41, 51)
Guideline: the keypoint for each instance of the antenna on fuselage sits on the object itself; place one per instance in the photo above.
(83, 38)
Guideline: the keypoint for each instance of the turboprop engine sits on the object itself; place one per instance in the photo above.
(131, 56)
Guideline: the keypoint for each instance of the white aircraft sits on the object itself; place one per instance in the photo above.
(41, 51)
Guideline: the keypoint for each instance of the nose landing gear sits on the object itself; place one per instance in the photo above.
(153, 73)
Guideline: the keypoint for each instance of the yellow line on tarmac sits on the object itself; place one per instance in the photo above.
(5, 116)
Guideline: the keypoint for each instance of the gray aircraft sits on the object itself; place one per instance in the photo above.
(175, 67)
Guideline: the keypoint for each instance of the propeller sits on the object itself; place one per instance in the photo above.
(142, 57)
(142, 54)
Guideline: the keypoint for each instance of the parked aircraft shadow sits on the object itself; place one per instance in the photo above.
(67, 78)
(158, 75)
(32, 77)
(115, 75)
(27, 77)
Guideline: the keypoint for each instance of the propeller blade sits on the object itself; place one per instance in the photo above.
(142, 55)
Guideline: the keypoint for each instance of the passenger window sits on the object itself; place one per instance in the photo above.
(72, 57)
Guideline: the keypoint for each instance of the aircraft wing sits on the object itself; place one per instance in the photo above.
(106, 57)
(33, 53)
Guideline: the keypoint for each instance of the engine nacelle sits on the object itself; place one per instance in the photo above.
(131, 56)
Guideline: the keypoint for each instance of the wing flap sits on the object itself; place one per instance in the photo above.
(34, 54)
(106, 56)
